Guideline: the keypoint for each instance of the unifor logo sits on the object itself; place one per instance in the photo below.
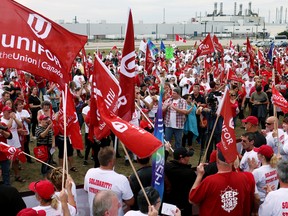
(128, 65)
(39, 25)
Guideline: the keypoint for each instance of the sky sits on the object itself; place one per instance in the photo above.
(148, 11)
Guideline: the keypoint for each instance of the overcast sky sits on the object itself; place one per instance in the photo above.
(148, 11)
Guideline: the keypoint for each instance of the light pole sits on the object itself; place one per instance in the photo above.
(184, 28)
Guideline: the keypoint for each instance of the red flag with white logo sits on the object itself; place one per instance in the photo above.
(127, 74)
(12, 153)
(206, 47)
(228, 137)
(217, 44)
(178, 38)
(261, 58)
(106, 86)
(279, 100)
(139, 141)
(34, 43)
(148, 60)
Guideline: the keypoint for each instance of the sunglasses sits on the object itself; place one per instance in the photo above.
(268, 123)
(232, 95)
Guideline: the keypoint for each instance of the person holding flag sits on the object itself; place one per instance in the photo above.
(179, 179)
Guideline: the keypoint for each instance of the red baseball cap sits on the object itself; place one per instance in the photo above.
(31, 212)
(44, 188)
(152, 87)
(265, 150)
(42, 117)
(6, 108)
(251, 119)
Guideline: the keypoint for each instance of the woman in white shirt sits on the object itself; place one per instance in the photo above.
(45, 194)
(266, 175)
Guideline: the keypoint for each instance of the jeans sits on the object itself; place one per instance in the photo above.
(169, 132)
(5, 166)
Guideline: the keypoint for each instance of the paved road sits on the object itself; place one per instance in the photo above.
(119, 44)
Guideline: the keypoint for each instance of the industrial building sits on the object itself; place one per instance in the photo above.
(242, 23)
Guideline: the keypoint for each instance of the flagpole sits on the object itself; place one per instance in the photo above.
(275, 113)
(210, 139)
(64, 95)
(151, 123)
(136, 174)
(2, 143)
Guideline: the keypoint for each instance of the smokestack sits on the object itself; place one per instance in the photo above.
(249, 7)
(276, 21)
(281, 13)
(240, 10)
(221, 8)
(215, 9)
(285, 15)
(235, 8)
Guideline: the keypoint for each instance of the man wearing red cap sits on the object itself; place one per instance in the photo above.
(251, 125)
(152, 100)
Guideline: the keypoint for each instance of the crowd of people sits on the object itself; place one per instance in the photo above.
(256, 181)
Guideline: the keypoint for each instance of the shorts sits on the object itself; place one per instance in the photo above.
(60, 143)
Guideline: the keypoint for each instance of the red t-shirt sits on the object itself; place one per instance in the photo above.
(225, 194)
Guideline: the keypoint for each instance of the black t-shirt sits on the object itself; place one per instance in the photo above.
(259, 139)
(10, 201)
(199, 98)
(35, 101)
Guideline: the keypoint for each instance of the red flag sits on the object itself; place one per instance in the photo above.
(279, 100)
(261, 58)
(278, 66)
(73, 127)
(34, 43)
(195, 44)
(251, 53)
(217, 44)
(127, 74)
(106, 86)
(178, 38)
(114, 48)
(139, 141)
(148, 60)
(231, 46)
(205, 47)
(12, 153)
(228, 137)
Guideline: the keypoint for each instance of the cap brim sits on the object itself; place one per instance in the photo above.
(32, 186)
(256, 149)
(244, 120)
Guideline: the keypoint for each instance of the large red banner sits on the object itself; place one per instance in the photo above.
(34, 43)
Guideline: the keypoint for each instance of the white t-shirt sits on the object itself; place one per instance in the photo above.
(24, 114)
(183, 84)
(265, 175)
(15, 137)
(248, 86)
(85, 110)
(97, 179)
(134, 213)
(78, 79)
(271, 141)
(244, 161)
(55, 212)
(153, 111)
(173, 114)
(275, 203)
